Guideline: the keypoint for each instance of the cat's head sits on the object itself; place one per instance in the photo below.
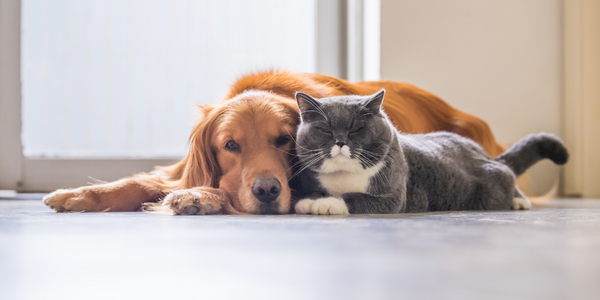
(343, 133)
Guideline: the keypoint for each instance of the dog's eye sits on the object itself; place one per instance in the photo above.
(232, 146)
(282, 140)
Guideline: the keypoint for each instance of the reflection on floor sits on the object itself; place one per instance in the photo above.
(551, 252)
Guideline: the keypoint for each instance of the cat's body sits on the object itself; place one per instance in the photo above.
(355, 161)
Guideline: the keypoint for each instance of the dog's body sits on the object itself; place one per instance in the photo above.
(241, 156)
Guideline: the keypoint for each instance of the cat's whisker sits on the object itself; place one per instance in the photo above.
(308, 150)
(361, 159)
(365, 159)
(295, 165)
(379, 175)
(305, 156)
(364, 151)
(288, 153)
(366, 154)
(309, 158)
(315, 159)
(308, 164)
(299, 162)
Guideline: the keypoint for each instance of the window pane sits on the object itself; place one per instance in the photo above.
(119, 78)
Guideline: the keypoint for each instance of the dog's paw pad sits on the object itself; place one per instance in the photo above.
(521, 203)
(329, 206)
(304, 206)
(190, 210)
(208, 209)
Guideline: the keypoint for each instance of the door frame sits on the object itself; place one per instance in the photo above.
(581, 102)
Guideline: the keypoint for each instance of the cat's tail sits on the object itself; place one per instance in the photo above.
(533, 148)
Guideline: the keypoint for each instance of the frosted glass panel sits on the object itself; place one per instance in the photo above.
(119, 78)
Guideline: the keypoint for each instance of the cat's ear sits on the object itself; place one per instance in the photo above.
(373, 104)
(307, 103)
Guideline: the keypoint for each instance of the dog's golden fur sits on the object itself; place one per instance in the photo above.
(258, 113)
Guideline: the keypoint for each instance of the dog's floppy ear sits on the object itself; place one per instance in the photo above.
(292, 111)
(201, 167)
(204, 109)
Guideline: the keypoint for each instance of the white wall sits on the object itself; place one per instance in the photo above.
(499, 60)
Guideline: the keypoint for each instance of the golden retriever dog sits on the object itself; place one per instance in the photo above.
(241, 155)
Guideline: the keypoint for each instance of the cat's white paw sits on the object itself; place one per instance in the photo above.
(521, 203)
(303, 206)
(329, 206)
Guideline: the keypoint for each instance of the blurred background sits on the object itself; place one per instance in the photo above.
(105, 88)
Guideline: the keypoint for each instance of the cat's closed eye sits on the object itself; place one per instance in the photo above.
(356, 130)
(324, 130)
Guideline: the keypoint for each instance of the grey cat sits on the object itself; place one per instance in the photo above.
(353, 160)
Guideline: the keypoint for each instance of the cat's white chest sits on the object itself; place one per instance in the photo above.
(346, 176)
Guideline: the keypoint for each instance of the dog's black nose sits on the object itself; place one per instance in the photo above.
(266, 189)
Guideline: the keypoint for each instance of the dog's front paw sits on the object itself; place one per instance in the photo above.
(329, 206)
(193, 202)
(304, 206)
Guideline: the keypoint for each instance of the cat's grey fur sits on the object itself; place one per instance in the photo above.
(410, 172)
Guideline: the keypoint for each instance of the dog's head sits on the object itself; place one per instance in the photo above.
(245, 146)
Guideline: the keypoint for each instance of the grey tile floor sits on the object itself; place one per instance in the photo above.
(551, 252)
